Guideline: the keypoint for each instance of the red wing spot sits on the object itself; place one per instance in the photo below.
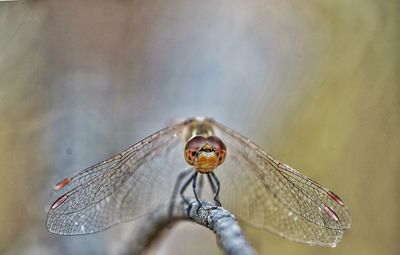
(336, 198)
(62, 183)
(331, 213)
(59, 202)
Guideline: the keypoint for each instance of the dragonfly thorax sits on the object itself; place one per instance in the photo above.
(205, 154)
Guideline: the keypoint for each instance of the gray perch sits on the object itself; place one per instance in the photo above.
(219, 220)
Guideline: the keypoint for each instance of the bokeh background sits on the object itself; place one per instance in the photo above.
(315, 83)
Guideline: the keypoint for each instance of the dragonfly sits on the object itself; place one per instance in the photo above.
(260, 190)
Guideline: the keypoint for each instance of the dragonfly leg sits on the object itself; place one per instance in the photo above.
(194, 183)
(194, 189)
(176, 188)
(200, 189)
(216, 191)
(185, 185)
(212, 184)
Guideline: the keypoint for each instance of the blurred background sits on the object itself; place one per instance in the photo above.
(314, 83)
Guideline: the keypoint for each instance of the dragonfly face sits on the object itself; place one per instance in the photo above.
(205, 154)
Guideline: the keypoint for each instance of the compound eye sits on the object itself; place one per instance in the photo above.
(192, 147)
(219, 147)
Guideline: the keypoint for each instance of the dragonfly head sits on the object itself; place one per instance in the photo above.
(205, 154)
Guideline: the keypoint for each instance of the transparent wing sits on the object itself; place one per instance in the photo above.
(121, 188)
(268, 194)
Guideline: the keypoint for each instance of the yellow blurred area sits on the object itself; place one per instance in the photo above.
(315, 83)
